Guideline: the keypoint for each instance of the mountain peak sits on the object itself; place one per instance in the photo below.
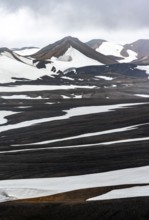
(69, 38)
(60, 47)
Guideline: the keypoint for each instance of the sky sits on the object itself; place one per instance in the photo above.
(41, 22)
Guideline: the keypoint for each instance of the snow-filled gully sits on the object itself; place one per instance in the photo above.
(31, 188)
(73, 112)
(78, 111)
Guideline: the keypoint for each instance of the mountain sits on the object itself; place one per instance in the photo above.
(113, 50)
(66, 55)
(68, 48)
(141, 47)
(15, 67)
(136, 52)
(92, 154)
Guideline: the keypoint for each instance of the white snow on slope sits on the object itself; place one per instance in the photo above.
(25, 60)
(21, 97)
(131, 192)
(82, 145)
(105, 77)
(69, 113)
(131, 56)
(25, 88)
(10, 195)
(146, 68)
(25, 52)
(109, 48)
(86, 135)
(77, 96)
(77, 60)
(68, 78)
(65, 97)
(10, 67)
(141, 95)
(85, 110)
(79, 111)
(4, 114)
(118, 130)
(34, 187)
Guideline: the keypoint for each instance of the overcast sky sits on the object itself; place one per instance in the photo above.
(40, 22)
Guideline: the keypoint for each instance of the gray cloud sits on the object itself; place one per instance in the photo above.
(79, 17)
(108, 13)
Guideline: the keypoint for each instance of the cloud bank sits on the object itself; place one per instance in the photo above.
(38, 22)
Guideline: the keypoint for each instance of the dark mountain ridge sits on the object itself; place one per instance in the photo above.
(141, 47)
(58, 49)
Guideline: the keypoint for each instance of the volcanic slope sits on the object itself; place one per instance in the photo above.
(141, 47)
(137, 52)
(75, 137)
(113, 50)
(60, 48)
(15, 67)
(71, 54)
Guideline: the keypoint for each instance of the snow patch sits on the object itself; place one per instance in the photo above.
(141, 95)
(30, 188)
(79, 111)
(131, 192)
(105, 77)
(109, 48)
(25, 88)
(25, 52)
(66, 77)
(146, 68)
(78, 60)
(21, 97)
(4, 114)
(11, 70)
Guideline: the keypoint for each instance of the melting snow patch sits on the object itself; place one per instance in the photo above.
(141, 95)
(105, 77)
(25, 88)
(21, 97)
(24, 106)
(146, 68)
(77, 96)
(65, 97)
(109, 48)
(77, 60)
(66, 77)
(4, 114)
(78, 111)
(18, 70)
(30, 188)
(49, 103)
(139, 191)
(25, 52)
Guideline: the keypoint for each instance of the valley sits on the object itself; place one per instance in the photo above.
(73, 133)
